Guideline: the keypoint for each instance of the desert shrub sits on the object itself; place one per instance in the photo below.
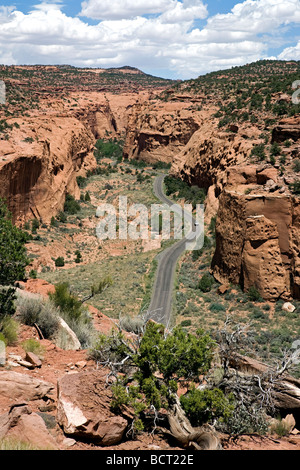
(81, 181)
(9, 328)
(13, 257)
(206, 282)
(12, 444)
(131, 324)
(217, 307)
(74, 313)
(60, 262)
(61, 217)
(71, 206)
(33, 311)
(296, 165)
(78, 258)
(65, 301)
(205, 406)
(275, 149)
(280, 428)
(7, 301)
(258, 314)
(254, 295)
(295, 187)
(212, 224)
(48, 320)
(259, 151)
(33, 274)
(35, 224)
(83, 329)
(186, 323)
(28, 309)
(247, 421)
(34, 346)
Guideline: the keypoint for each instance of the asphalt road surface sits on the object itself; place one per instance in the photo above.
(161, 301)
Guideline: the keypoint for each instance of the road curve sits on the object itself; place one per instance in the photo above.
(161, 301)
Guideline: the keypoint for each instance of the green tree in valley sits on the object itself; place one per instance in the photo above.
(13, 261)
(13, 255)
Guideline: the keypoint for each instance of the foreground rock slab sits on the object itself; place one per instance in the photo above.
(16, 386)
(20, 424)
(83, 409)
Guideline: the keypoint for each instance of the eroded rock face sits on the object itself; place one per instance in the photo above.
(158, 132)
(257, 239)
(207, 156)
(262, 263)
(36, 174)
(83, 409)
(288, 128)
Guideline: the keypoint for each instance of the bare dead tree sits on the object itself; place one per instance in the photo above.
(253, 389)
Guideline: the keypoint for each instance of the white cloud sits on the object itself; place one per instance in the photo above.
(166, 40)
(290, 53)
(256, 16)
(123, 9)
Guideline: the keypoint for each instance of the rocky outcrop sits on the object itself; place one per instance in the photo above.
(286, 129)
(207, 156)
(38, 171)
(83, 409)
(16, 386)
(108, 114)
(257, 235)
(20, 424)
(159, 132)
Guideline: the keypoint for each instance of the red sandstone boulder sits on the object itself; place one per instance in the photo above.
(83, 409)
(20, 424)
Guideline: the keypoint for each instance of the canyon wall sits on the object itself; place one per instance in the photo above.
(158, 131)
(39, 165)
(257, 241)
(257, 230)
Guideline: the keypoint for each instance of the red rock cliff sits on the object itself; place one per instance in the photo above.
(40, 163)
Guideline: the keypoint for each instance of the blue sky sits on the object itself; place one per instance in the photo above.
(170, 38)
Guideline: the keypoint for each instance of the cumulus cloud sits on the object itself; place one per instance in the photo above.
(157, 35)
(290, 53)
(123, 9)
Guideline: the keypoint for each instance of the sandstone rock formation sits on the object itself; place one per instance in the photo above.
(157, 132)
(107, 114)
(83, 409)
(257, 236)
(38, 171)
(22, 425)
(288, 128)
(16, 386)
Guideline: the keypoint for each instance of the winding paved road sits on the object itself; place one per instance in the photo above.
(161, 302)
